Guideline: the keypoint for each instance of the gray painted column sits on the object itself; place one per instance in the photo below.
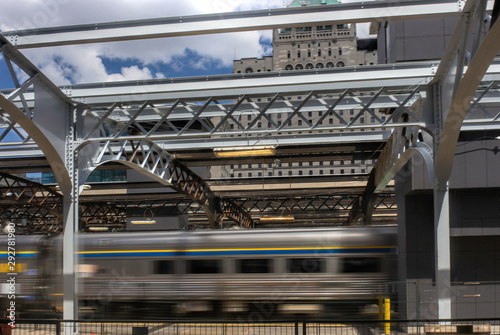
(442, 250)
(70, 302)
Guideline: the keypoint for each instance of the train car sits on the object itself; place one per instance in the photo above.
(26, 275)
(266, 273)
(255, 273)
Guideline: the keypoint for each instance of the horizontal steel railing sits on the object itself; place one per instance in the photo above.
(248, 327)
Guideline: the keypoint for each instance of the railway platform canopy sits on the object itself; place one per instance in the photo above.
(174, 132)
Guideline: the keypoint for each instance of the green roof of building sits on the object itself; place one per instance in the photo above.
(298, 3)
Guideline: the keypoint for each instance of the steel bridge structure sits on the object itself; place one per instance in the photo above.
(165, 128)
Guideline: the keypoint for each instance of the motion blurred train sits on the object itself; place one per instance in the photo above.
(263, 273)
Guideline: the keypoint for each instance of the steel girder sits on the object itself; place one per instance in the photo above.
(377, 11)
(55, 136)
(150, 159)
(212, 120)
(33, 122)
(320, 208)
(37, 204)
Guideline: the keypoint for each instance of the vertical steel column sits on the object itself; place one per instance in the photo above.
(442, 94)
(442, 249)
(71, 226)
(70, 307)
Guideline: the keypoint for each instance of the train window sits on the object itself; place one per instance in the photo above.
(358, 264)
(198, 266)
(254, 265)
(163, 267)
(306, 265)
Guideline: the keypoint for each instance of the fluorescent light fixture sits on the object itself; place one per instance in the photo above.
(280, 218)
(87, 187)
(98, 228)
(148, 221)
(244, 151)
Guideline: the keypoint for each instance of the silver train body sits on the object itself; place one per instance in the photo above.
(268, 272)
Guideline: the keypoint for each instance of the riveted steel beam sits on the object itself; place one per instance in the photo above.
(377, 11)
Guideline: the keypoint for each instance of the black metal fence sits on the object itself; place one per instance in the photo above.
(294, 327)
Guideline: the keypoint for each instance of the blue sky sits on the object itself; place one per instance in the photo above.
(133, 60)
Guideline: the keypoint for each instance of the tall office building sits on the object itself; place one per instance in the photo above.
(305, 48)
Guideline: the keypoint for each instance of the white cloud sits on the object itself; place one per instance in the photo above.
(84, 63)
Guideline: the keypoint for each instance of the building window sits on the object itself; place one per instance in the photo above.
(300, 163)
(351, 112)
(331, 172)
(329, 54)
(299, 122)
(310, 114)
(310, 163)
(321, 172)
(288, 54)
(362, 120)
(319, 52)
(300, 172)
(352, 171)
(308, 53)
(280, 173)
(298, 54)
(340, 51)
(270, 174)
(248, 70)
(260, 174)
(249, 174)
(249, 166)
(341, 112)
(310, 172)
(249, 117)
(288, 67)
(341, 171)
(330, 121)
(239, 166)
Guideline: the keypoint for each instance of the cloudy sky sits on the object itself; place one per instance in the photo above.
(147, 59)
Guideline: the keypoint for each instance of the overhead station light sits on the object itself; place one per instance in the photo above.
(98, 228)
(244, 151)
(280, 218)
(148, 221)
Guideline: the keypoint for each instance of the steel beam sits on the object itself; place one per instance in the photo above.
(461, 102)
(256, 84)
(378, 11)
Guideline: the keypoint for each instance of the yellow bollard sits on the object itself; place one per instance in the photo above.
(387, 316)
